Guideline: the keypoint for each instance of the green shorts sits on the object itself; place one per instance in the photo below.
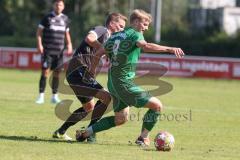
(127, 94)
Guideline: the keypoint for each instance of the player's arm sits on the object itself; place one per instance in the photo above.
(39, 40)
(68, 42)
(151, 47)
(100, 52)
(91, 39)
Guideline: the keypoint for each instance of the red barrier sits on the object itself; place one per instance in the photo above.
(21, 58)
(197, 66)
(190, 66)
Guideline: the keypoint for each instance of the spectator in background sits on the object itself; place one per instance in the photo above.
(52, 32)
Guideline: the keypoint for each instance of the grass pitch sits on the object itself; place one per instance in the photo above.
(202, 114)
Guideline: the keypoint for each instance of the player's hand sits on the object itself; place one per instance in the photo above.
(178, 52)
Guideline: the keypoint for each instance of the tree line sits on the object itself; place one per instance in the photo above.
(20, 18)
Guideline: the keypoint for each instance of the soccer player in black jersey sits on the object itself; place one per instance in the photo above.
(52, 33)
(81, 79)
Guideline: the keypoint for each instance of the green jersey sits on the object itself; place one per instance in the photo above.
(124, 53)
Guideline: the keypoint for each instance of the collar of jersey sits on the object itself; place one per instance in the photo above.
(53, 13)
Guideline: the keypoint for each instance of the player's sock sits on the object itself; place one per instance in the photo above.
(90, 130)
(104, 124)
(98, 112)
(75, 117)
(144, 133)
(42, 84)
(150, 119)
(55, 84)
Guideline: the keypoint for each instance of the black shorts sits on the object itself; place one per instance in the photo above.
(52, 61)
(83, 84)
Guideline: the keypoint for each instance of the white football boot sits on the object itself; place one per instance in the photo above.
(40, 99)
(55, 99)
(57, 135)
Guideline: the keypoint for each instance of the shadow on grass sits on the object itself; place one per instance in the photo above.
(33, 139)
(37, 139)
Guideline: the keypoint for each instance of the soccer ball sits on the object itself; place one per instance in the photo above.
(164, 141)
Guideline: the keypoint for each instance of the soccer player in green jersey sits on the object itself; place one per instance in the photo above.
(123, 49)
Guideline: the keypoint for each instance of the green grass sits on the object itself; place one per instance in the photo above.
(208, 130)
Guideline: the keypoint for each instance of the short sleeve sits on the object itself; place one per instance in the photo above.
(98, 31)
(139, 37)
(68, 21)
(44, 22)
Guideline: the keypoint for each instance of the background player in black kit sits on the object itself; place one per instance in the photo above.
(81, 79)
(52, 32)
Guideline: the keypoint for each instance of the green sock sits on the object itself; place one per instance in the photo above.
(104, 124)
(150, 119)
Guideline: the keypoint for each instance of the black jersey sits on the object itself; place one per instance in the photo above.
(85, 52)
(54, 29)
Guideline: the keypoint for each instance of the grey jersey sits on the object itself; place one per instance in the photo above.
(85, 52)
(54, 29)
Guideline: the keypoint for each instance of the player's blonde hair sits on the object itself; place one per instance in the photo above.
(140, 15)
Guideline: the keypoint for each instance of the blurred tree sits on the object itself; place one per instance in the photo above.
(174, 15)
(20, 19)
(6, 27)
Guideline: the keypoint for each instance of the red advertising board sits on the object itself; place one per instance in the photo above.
(197, 66)
(190, 66)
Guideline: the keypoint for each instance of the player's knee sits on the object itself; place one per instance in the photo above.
(122, 116)
(156, 105)
(104, 96)
(88, 107)
(121, 120)
(159, 107)
(56, 74)
(45, 73)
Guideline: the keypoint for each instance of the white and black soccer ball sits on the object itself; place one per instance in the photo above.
(164, 141)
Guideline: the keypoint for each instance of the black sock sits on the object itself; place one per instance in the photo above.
(55, 83)
(42, 84)
(98, 112)
(75, 117)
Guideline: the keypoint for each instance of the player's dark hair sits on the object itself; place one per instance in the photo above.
(58, 1)
(114, 17)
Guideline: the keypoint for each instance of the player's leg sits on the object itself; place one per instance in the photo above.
(43, 79)
(120, 118)
(121, 111)
(81, 113)
(105, 123)
(85, 91)
(136, 96)
(74, 118)
(84, 94)
(54, 85)
(56, 66)
(44, 74)
(101, 105)
(149, 120)
(99, 110)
